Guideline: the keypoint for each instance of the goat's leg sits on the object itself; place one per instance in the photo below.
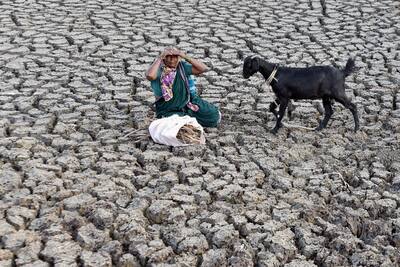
(273, 106)
(348, 104)
(276, 103)
(281, 112)
(290, 109)
(328, 113)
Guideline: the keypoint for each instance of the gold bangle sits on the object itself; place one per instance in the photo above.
(188, 59)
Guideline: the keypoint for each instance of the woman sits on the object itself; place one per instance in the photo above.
(169, 81)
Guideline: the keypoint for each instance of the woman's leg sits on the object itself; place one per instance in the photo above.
(208, 114)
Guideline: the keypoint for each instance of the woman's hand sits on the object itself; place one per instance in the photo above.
(164, 54)
(198, 67)
(151, 73)
(174, 52)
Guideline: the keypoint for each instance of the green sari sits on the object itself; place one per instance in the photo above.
(208, 114)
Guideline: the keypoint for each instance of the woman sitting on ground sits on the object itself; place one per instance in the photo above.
(169, 76)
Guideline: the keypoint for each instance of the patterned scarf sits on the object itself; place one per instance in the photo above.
(167, 80)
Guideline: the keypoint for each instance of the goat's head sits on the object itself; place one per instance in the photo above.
(251, 65)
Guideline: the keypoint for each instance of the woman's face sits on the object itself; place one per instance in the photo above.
(171, 61)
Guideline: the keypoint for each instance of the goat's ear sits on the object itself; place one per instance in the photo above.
(255, 63)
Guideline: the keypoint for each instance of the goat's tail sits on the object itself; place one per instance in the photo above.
(349, 67)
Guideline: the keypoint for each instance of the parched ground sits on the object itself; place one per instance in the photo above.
(76, 191)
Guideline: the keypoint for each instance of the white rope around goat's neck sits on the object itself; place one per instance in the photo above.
(272, 75)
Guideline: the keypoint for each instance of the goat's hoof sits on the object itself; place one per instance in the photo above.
(319, 128)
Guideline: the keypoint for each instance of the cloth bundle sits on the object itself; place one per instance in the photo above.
(177, 131)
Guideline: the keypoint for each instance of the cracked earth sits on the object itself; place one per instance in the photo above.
(75, 190)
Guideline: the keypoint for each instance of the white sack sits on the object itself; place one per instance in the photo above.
(164, 130)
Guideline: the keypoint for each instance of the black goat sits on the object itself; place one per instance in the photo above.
(317, 82)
